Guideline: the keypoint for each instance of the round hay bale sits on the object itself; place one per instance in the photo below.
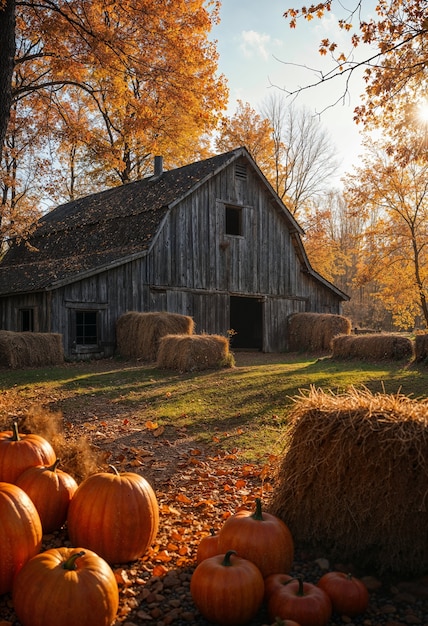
(315, 331)
(373, 347)
(187, 353)
(353, 481)
(138, 334)
(28, 349)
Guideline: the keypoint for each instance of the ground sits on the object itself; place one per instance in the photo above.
(197, 489)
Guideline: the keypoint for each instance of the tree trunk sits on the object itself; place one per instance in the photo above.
(7, 63)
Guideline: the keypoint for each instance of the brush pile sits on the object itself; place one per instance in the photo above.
(353, 481)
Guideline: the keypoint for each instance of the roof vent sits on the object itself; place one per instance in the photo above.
(240, 171)
(158, 166)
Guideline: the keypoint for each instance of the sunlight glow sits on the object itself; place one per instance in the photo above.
(422, 110)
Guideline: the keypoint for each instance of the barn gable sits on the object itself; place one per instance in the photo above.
(207, 240)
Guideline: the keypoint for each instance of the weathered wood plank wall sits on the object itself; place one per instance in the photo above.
(193, 268)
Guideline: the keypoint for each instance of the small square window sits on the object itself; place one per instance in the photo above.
(86, 328)
(233, 220)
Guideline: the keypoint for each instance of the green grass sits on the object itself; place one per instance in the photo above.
(244, 408)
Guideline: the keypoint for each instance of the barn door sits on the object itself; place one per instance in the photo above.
(246, 320)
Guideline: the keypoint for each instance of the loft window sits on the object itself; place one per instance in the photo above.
(233, 220)
(86, 328)
(26, 320)
(240, 171)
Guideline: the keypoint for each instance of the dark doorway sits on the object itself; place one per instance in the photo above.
(246, 316)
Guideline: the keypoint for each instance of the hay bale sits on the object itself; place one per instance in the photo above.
(315, 331)
(353, 479)
(421, 347)
(375, 347)
(138, 334)
(30, 349)
(187, 353)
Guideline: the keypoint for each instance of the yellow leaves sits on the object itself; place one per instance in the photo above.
(160, 570)
(154, 427)
(120, 101)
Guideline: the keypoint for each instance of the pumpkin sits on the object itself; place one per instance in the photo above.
(65, 587)
(51, 490)
(18, 452)
(20, 533)
(348, 594)
(208, 546)
(260, 537)
(272, 583)
(227, 589)
(115, 515)
(305, 603)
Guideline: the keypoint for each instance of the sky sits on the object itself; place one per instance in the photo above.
(256, 46)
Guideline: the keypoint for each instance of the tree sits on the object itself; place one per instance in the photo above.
(305, 157)
(248, 128)
(288, 145)
(7, 53)
(23, 168)
(112, 84)
(395, 65)
(394, 201)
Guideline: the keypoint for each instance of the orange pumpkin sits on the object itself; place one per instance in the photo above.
(115, 515)
(20, 533)
(208, 546)
(51, 491)
(259, 537)
(66, 587)
(18, 452)
(272, 583)
(227, 589)
(296, 600)
(348, 594)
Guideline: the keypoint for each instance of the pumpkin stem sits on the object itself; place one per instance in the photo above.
(300, 590)
(114, 469)
(70, 563)
(258, 514)
(15, 436)
(226, 561)
(54, 466)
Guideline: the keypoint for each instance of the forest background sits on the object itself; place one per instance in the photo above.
(91, 91)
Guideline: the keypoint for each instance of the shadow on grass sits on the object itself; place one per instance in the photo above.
(232, 403)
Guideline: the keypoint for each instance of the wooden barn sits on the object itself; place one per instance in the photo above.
(210, 240)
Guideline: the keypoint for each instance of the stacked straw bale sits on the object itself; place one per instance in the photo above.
(187, 353)
(315, 331)
(353, 482)
(374, 347)
(138, 334)
(30, 349)
(421, 347)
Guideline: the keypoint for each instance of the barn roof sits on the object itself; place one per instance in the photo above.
(97, 232)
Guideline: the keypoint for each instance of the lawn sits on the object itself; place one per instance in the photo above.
(245, 408)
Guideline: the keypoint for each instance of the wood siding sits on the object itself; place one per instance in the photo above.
(192, 268)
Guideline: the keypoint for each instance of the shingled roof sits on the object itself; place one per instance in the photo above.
(105, 229)
(101, 230)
